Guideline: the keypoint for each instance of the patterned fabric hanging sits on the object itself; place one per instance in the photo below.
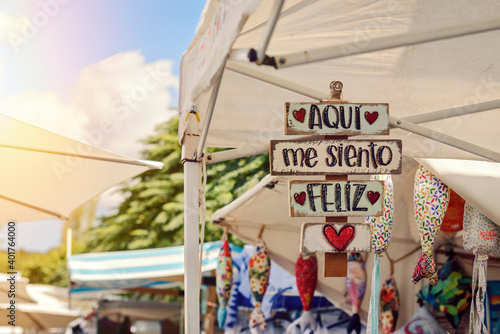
(390, 304)
(421, 322)
(454, 218)
(306, 275)
(259, 269)
(431, 198)
(452, 294)
(355, 283)
(224, 281)
(482, 237)
(381, 236)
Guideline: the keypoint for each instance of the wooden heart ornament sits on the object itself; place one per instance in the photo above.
(300, 198)
(371, 117)
(299, 115)
(373, 196)
(339, 240)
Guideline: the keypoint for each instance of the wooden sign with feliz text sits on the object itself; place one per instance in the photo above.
(330, 118)
(335, 157)
(335, 238)
(336, 198)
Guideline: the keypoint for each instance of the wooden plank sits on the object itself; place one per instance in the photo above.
(330, 118)
(336, 198)
(335, 238)
(335, 265)
(334, 157)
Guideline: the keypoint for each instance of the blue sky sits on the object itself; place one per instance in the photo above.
(62, 61)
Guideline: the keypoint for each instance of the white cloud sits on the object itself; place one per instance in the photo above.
(45, 110)
(114, 104)
(119, 100)
(9, 25)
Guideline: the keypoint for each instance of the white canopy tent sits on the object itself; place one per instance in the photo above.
(434, 62)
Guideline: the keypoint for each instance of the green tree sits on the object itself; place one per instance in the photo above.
(152, 213)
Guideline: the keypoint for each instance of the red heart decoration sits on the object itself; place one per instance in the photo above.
(371, 116)
(373, 196)
(299, 115)
(340, 240)
(300, 198)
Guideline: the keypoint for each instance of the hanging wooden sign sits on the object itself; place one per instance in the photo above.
(336, 198)
(335, 237)
(335, 157)
(329, 118)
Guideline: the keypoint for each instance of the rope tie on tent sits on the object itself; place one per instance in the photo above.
(195, 113)
(479, 278)
(224, 234)
(372, 322)
(203, 210)
(261, 231)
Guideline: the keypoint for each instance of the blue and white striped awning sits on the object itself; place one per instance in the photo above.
(139, 268)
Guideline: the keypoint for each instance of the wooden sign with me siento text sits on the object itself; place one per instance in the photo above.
(335, 157)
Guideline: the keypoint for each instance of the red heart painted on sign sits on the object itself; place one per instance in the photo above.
(371, 116)
(340, 240)
(300, 198)
(299, 115)
(373, 196)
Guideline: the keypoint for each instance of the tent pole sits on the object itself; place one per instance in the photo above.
(210, 111)
(445, 139)
(191, 245)
(387, 42)
(252, 72)
(69, 245)
(453, 112)
(191, 227)
(266, 36)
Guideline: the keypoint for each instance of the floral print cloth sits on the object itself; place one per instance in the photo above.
(389, 302)
(224, 281)
(259, 269)
(431, 198)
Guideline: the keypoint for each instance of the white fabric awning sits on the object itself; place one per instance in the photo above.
(414, 80)
(45, 175)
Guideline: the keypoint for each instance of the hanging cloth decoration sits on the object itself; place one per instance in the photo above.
(381, 236)
(389, 302)
(355, 284)
(259, 268)
(453, 220)
(421, 322)
(482, 237)
(306, 275)
(431, 198)
(224, 280)
(452, 294)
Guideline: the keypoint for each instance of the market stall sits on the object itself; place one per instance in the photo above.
(433, 63)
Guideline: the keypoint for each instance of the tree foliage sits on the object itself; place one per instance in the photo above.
(152, 213)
